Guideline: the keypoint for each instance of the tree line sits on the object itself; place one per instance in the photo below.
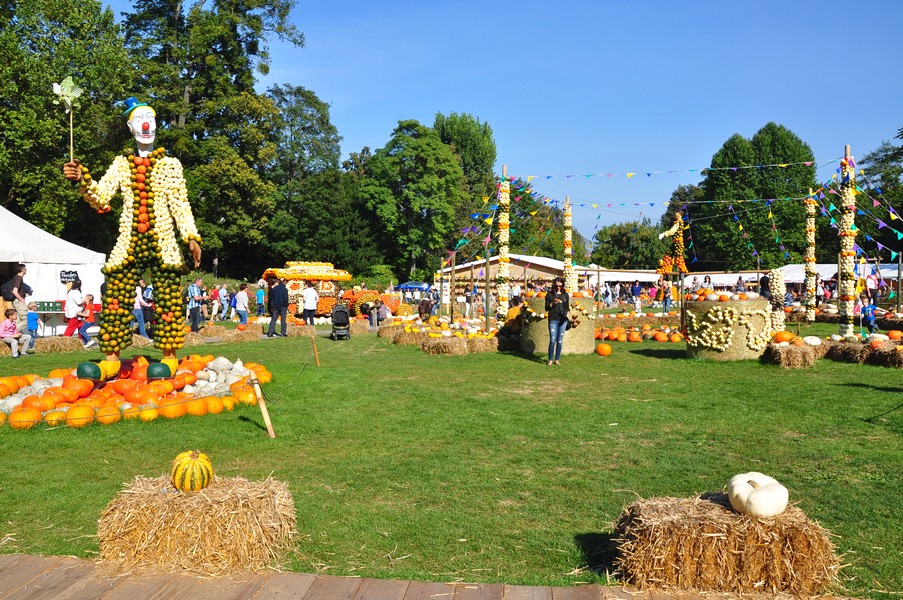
(264, 170)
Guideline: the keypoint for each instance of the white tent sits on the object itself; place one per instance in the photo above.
(51, 261)
(595, 276)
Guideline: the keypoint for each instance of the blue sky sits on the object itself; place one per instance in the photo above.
(572, 88)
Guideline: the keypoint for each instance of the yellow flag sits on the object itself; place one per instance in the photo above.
(784, 165)
(893, 216)
(741, 227)
(489, 220)
(769, 214)
(485, 198)
(595, 205)
(479, 257)
(530, 178)
(629, 175)
(534, 213)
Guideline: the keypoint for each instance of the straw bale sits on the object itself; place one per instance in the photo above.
(232, 525)
(454, 346)
(851, 352)
(480, 345)
(301, 331)
(242, 336)
(359, 326)
(701, 543)
(193, 339)
(790, 357)
(52, 344)
(139, 341)
(389, 331)
(214, 331)
(889, 356)
(410, 338)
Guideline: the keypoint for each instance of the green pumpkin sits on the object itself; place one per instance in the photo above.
(159, 371)
(89, 370)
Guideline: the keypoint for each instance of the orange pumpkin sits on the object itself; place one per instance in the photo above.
(80, 415)
(215, 405)
(622, 337)
(241, 327)
(245, 395)
(131, 412)
(107, 415)
(783, 336)
(24, 418)
(798, 341)
(876, 344)
(788, 309)
(895, 334)
(676, 338)
(171, 408)
(603, 349)
(55, 418)
(196, 407)
(724, 298)
(148, 414)
(660, 336)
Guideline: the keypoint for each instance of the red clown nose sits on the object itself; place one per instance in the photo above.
(145, 126)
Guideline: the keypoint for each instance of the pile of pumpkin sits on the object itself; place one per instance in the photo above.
(640, 334)
(357, 298)
(710, 295)
(438, 328)
(64, 398)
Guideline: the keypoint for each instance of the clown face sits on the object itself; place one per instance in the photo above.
(143, 125)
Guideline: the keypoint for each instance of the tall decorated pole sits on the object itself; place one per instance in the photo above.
(811, 205)
(847, 279)
(503, 275)
(570, 274)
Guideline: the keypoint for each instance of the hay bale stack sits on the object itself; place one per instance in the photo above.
(535, 333)
(389, 331)
(851, 352)
(242, 336)
(299, 331)
(705, 311)
(139, 341)
(232, 525)
(790, 357)
(481, 345)
(889, 356)
(214, 331)
(52, 344)
(359, 326)
(193, 339)
(410, 338)
(702, 544)
(454, 346)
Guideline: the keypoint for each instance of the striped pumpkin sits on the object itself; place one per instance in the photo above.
(192, 471)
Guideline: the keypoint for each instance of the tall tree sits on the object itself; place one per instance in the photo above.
(42, 42)
(197, 64)
(307, 140)
(752, 216)
(472, 141)
(413, 186)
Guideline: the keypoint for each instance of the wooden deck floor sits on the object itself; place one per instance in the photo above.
(26, 577)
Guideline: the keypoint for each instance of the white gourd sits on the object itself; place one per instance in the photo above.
(757, 495)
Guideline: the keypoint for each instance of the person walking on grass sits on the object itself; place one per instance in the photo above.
(558, 305)
(278, 307)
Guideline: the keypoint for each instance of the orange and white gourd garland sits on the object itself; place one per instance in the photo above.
(847, 284)
(811, 205)
(570, 275)
(503, 275)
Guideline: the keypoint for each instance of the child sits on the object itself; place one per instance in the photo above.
(34, 322)
(867, 313)
(87, 317)
(11, 335)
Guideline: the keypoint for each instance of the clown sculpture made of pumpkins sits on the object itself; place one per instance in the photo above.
(154, 199)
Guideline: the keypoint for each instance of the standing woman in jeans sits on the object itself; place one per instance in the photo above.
(558, 305)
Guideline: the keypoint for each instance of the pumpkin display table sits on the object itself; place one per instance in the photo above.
(535, 332)
(725, 331)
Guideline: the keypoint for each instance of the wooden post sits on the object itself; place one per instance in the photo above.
(255, 383)
(441, 286)
(313, 340)
(451, 287)
(899, 277)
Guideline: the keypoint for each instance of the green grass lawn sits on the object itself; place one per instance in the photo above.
(492, 468)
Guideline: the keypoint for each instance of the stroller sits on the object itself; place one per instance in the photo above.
(341, 322)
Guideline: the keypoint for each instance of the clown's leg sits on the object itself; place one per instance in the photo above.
(116, 316)
(169, 331)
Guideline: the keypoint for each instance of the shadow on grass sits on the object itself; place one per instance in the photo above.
(250, 421)
(877, 388)
(671, 353)
(598, 550)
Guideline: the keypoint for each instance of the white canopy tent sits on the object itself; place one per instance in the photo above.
(51, 261)
(597, 275)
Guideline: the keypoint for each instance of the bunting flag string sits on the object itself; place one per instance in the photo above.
(702, 171)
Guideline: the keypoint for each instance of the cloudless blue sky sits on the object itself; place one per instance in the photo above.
(605, 87)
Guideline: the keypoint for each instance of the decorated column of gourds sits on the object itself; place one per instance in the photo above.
(503, 275)
(675, 260)
(778, 291)
(847, 285)
(570, 275)
(811, 205)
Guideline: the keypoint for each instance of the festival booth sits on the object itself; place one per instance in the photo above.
(597, 275)
(324, 276)
(522, 267)
(52, 263)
